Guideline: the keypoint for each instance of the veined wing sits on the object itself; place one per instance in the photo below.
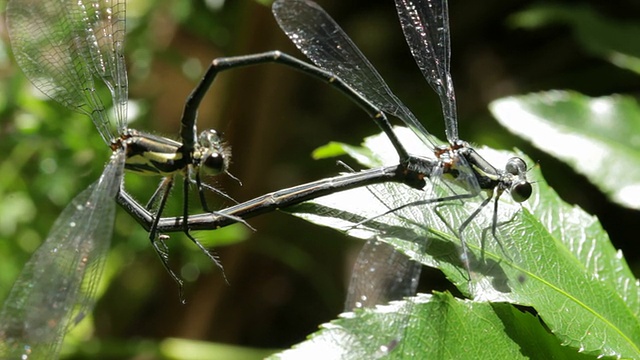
(57, 286)
(425, 24)
(319, 38)
(381, 274)
(63, 46)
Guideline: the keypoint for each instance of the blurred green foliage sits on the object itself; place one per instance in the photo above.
(290, 276)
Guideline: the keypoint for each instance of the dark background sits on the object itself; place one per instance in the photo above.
(289, 276)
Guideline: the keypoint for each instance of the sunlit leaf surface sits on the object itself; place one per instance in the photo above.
(598, 137)
(441, 327)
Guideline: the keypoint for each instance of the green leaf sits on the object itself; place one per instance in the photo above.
(548, 255)
(612, 40)
(448, 328)
(329, 150)
(366, 156)
(598, 137)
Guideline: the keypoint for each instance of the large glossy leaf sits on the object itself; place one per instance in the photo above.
(440, 327)
(549, 255)
(598, 137)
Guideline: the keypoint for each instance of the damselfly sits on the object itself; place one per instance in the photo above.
(425, 24)
(342, 64)
(73, 51)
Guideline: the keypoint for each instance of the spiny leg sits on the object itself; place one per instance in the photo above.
(203, 201)
(210, 253)
(439, 200)
(463, 226)
(494, 227)
(159, 241)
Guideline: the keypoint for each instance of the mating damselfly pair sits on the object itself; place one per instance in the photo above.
(66, 48)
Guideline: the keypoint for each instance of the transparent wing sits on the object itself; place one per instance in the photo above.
(64, 46)
(425, 24)
(319, 38)
(381, 274)
(57, 286)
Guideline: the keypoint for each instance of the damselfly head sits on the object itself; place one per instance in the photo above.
(214, 156)
(520, 188)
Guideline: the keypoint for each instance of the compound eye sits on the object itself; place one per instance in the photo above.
(516, 166)
(214, 163)
(521, 191)
(209, 138)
